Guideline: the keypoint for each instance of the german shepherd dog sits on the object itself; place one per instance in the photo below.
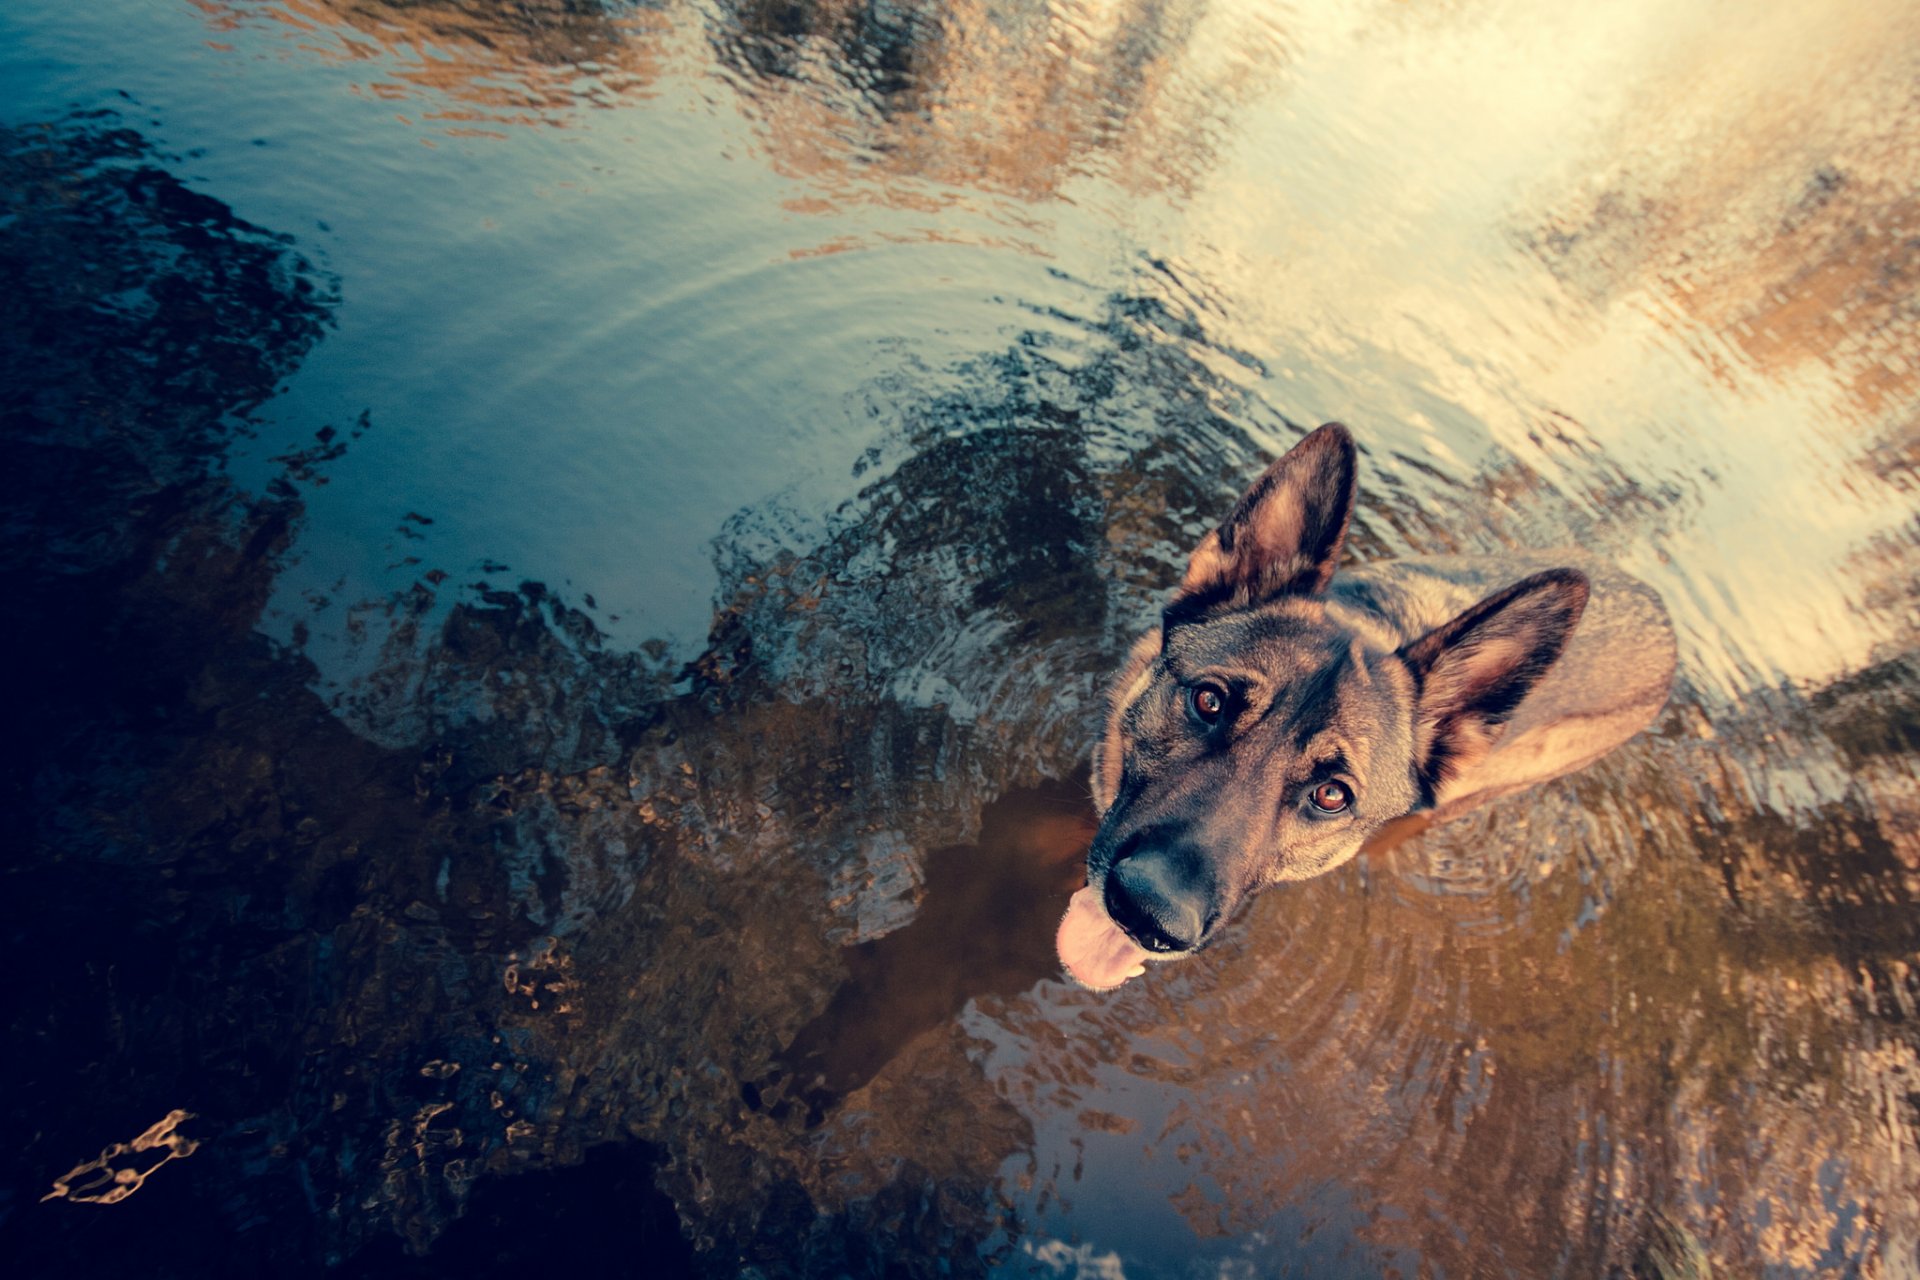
(1282, 715)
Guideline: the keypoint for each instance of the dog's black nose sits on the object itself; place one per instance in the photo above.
(1162, 896)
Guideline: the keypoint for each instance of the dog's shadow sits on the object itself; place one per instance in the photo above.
(985, 927)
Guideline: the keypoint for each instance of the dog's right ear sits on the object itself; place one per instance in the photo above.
(1284, 535)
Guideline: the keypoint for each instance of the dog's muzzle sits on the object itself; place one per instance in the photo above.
(1158, 899)
(1162, 891)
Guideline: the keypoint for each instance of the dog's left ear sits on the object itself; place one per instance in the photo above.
(1474, 671)
(1284, 535)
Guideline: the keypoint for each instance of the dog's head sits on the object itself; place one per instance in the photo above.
(1253, 738)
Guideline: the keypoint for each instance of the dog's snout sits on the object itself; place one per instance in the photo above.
(1161, 894)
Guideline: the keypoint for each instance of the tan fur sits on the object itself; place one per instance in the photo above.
(1207, 565)
(1279, 522)
(1357, 654)
(1521, 760)
(1465, 670)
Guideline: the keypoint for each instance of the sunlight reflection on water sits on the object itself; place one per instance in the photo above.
(1485, 221)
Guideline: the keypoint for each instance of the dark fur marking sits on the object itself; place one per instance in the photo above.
(1318, 688)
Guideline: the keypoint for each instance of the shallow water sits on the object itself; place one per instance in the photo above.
(567, 553)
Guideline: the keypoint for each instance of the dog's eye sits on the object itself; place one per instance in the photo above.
(1331, 797)
(1209, 702)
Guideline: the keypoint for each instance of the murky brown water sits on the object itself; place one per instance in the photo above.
(565, 554)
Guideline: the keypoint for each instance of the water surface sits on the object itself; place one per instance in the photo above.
(566, 555)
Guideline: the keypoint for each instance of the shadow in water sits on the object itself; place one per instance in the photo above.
(985, 927)
(603, 1216)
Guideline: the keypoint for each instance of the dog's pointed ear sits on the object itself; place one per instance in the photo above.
(1284, 535)
(1474, 671)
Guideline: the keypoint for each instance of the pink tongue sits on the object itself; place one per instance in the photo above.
(1093, 948)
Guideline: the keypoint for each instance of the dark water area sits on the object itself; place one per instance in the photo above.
(565, 558)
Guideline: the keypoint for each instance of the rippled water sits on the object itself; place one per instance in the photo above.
(565, 555)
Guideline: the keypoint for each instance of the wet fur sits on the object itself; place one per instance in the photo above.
(1428, 686)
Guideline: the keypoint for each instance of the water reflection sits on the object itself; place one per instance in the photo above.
(477, 66)
(1019, 100)
(553, 896)
(888, 102)
(984, 926)
(1624, 1050)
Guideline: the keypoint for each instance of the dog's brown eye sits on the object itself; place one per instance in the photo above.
(1208, 702)
(1331, 797)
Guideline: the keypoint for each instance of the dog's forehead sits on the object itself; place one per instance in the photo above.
(1282, 642)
